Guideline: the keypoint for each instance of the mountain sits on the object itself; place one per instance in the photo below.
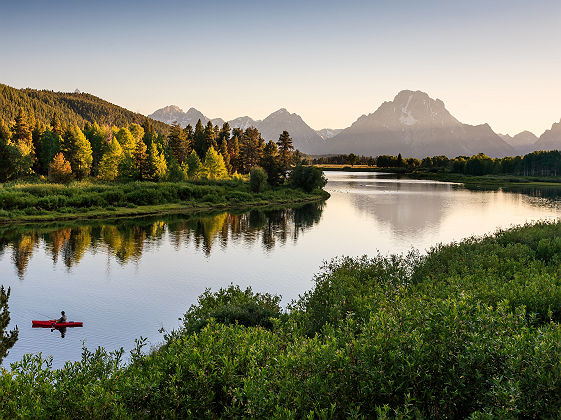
(71, 108)
(416, 125)
(550, 139)
(172, 113)
(327, 133)
(242, 122)
(303, 136)
(522, 143)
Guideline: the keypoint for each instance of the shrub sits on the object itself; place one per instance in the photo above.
(307, 178)
(232, 306)
(257, 179)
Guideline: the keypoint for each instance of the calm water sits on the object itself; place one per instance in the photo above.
(126, 279)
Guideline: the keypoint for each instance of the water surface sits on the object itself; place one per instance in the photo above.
(129, 278)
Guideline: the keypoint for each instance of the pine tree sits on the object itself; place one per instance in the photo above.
(78, 152)
(59, 169)
(6, 153)
(109, 164)
(56, 126)
(141, 160)
(199, 139)
(177, 141)
(226, 155)
(285, 150)
(50, 147)
(194, 164)
(213, 166)
(209, 138)
(251, 149)
(157, 166)
(234, 150)
(22, 132)
(7, 338)
(270, 162)
(224, 135)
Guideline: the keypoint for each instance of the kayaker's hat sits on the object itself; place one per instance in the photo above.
(62, 312)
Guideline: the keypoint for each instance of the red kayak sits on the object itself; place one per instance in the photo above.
(53, 323)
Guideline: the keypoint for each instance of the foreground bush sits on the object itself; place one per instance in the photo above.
(468, 330)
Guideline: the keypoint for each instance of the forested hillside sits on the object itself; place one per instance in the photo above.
(70, 108)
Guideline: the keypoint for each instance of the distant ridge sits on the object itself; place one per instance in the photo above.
(550, 139)
(71, 108)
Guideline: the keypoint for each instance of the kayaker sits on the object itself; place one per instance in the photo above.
(62, 318)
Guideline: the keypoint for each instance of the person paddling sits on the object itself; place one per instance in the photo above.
(62, 319)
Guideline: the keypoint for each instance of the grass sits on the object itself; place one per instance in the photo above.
(470, 330)
(48, 202)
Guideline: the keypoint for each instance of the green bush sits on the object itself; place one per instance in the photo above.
(307, 178)
(257, 179)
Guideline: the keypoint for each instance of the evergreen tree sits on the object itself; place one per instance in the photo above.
(199, 139)
(234, 150)
(149, 133)
(157, 166)
(270, 162)
(137, 132)
(225, 155)
(56, 126)
(99, 140)
(50, 147)
(251, 149)
(194, 164)
(141, 160)
(6, 153)
(213, 166)
(59, 169)
(286, 148)
(177, 142)
(22, 132)
(7, 338)
(209, 138)
(36, 136)
(224, 135)
(78, 152)
(177, 172)
(109, 164)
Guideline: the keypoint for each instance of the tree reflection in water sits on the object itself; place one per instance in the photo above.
(126, 239)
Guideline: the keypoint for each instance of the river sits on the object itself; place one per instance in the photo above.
(133, 277)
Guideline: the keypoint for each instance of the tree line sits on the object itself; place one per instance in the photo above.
(134, 151)
(539, 163)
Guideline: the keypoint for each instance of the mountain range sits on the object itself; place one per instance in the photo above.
(413, 124)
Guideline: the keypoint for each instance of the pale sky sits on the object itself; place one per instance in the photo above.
(328, 61)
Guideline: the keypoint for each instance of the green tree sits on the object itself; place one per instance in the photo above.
(177, 142)
(157, 166)
(50, 147)
(7, 338)
(213, 166)
(251, 149)
(199, 139)
(226, 155)
(127, 141)
(194, 164)
(307, 177)
(209, 138)
(270, 162)
(234, 150)
(286, 148)
(22, 133)
(7, 150)
(78, 152)
(109, 165)
(257, 179)
(60, 170)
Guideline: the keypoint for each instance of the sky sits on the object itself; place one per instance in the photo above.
(492, 61)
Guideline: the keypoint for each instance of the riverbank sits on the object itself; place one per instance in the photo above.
(32, 203)
(470, 329)
(474, 181)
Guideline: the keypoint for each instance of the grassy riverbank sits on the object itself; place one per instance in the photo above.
(471, 329)
(474, 181)
(48, 202)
